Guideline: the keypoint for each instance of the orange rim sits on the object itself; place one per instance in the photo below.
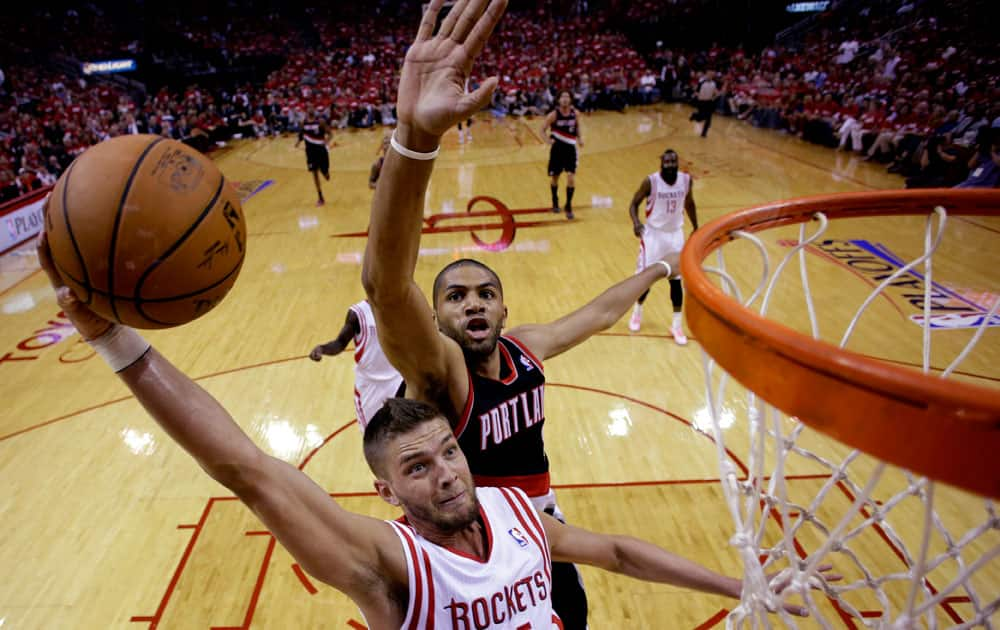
(944, 429)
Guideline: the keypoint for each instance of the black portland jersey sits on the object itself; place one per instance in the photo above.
(501, 428)
(564, 126)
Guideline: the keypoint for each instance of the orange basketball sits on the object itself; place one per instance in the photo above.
(146, 231)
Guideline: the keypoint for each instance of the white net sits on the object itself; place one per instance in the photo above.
(911, 553)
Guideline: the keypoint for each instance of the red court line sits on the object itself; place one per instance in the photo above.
(304, 579)
(357, 625)
(155, 619)
(64, 417)
(256, 589)
(714, 619)
(118, 400)
(933, 368)
(945, 604)
(639, 335)
(187, 527)
(21, 281)
(257, 533)
(668, 482)
(978, 225)
(308, 457)
(643, 403)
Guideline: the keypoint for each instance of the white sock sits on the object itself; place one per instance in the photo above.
(677, 320)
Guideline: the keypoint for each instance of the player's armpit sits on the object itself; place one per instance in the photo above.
(337, 547)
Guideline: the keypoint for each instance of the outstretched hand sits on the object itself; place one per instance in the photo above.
(432, 96)
(87, 322)
(815, 583)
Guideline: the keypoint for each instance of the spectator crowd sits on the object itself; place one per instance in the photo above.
(912, 85)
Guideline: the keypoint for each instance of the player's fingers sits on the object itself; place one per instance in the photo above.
(45, 260)
(798, 611)
(449, 20)
(468, 19)
(427, 23)
(481, 32)
(480, 98)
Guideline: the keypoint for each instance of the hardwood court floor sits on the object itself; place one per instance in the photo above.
(107, 524)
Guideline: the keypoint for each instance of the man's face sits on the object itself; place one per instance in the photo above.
(470, 310)
(429, 478)
(668, 161)
(565, 100)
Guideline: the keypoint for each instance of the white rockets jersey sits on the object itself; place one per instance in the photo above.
(665, 204)
(375, 380)
(512, 588)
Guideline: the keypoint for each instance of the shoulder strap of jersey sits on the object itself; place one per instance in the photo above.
(420, 610)
(524, 351)
(529, 519)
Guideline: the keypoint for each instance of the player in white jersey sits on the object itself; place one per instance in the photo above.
(665, 192)
(410, 446)
(511, 588)
(375, 379)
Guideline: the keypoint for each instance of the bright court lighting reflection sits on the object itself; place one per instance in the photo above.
(286, 441)
(18, 303)
(308, 222)
(139, 443)
(621, 422)
(703, 419)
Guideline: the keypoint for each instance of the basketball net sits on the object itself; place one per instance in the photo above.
(906, 561)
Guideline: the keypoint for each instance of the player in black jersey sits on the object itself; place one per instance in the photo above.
(489, 385)
(316, 135)
(564, 138)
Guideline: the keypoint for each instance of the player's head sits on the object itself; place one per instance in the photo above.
(419, 466)
(668, 166)
(468, 304)
(565, 99)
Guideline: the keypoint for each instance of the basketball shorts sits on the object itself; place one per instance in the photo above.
(317, 158)
(562, 157)
(656, 244)
(569, 599)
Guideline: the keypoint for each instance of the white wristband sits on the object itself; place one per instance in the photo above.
(666, 266)
(413, 155)
(120, 347)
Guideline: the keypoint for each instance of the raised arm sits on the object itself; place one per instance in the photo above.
(342, 549)
(633, 209)
(648, 562)
(633, 557)
(549, 340)
(689, 206)
(431, 100)
(348, 331)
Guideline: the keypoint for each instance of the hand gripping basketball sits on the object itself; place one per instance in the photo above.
(87, 322)
(432, 96)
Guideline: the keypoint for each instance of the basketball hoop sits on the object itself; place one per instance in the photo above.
(932, 428)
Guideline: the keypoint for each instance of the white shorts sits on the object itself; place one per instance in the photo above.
(656, 244)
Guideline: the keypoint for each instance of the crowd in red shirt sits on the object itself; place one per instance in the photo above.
(884, 83)
(912, 86)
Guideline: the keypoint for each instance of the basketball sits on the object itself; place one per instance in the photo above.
(146, 231)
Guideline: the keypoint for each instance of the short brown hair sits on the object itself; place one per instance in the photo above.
(397, 416)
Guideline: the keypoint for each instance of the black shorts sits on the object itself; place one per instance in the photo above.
(317, 158)
(562, 157)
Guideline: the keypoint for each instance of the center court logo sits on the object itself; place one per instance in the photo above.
(493, 215)
(951, 307)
